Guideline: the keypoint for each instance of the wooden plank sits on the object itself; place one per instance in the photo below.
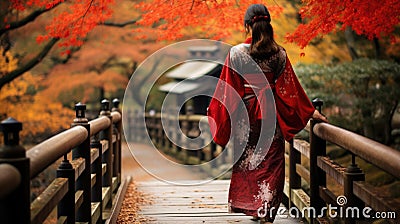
(164, 189)
(62, 220)
(92, 179)
(301, 200)
(114, 183)
(331, 168)
(114, 138)
(106, 196)
(189, 194)
(94, 154)
(213, 199)
(78, 200)
(180, 193)
(183, 193)
(104, 145)
(286, 188)
(103, 168)
(206, 203)
(213, 218)
(44, 204)
(191, 201)
(188, 183)
(195, 208)
(371, 196)
(303, 172)
(302, 146)
(95, 211)
(188, 202)
(79, 166)
(188, 220)
(327, 195)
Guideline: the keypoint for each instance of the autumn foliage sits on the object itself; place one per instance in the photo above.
(372, 18)
(97, 54)
(216, 19)
(71, 24)
(36, 111)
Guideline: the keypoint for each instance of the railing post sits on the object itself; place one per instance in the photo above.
(66, 207)
(159, 132)
(15, 208)
(351, 174)
(317, 176)
(117, 150)
(108, 154)
(130, 121)
(173, 121)
(294, 178)
(183, 154)
(96, 169)
(83, 151)
(140, 126)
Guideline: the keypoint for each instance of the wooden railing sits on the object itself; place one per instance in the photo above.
(190, 125)
(314, 170)
(87, 179)
(357, 194)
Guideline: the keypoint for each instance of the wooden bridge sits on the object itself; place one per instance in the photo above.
(90, 183)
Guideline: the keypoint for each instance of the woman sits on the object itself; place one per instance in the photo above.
(265, 108)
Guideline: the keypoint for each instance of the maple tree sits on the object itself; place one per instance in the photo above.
(37, 112)
(216, 19)
(372, 19)
(71, 22)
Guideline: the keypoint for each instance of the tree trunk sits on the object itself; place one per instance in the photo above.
(350, 42)
(377, 48)
(102, 93)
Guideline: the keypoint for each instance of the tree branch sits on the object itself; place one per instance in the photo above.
(120, 24)
(26, 20)
(29, 65)
(63, 60)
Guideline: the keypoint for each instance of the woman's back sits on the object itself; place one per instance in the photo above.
(271, 66)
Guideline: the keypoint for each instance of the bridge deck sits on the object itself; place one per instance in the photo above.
(202, 203)
(205, 203)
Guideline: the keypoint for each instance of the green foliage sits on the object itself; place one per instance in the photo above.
(360, 95)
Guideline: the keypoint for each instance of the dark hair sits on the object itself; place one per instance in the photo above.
(263, 44)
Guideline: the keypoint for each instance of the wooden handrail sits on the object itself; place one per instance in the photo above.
(47, 152)
(116, 116)
(84, 187)
(98, 124)
(374, 152)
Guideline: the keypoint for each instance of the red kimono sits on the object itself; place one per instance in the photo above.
(258, 104)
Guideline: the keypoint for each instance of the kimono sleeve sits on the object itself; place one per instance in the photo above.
(226, 98)
(293, 106)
